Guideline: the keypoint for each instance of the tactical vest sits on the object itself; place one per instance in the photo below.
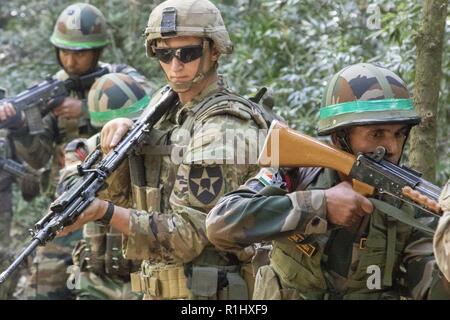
(213, 273)
(308, 271)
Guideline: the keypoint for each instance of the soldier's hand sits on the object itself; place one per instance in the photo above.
(70, 108)
(113, 132)
(7, 111)
(345, 207)
(95, 211)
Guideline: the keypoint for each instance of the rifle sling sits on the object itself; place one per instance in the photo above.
(399, 215)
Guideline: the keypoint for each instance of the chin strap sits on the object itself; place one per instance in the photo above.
(342, 136)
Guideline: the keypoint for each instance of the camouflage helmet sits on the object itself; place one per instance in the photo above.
(80, 26)
(197, 18)
(115, 95)
(363, 94)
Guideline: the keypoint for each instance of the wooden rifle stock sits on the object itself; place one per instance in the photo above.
(285, 147)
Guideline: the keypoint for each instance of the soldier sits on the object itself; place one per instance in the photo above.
(101, 271)
(330, 242)
(30, 188)
(166, 228)
(29, 185)
(79, 37)
(442, 237)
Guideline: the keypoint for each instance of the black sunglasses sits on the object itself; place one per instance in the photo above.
(184, 54)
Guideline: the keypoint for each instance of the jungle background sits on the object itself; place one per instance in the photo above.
(290, 46)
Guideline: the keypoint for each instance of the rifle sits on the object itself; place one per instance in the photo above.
(34, 101)
(370, 173)
(14, 168)
(66, 208)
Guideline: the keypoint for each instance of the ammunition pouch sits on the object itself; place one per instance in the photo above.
(147, 198)
(193, 282)
(160, 282)
(100, 252)
(115, 264)
(94, 249)
(200, 279)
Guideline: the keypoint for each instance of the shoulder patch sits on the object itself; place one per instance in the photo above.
(265, 176)
(205, 183)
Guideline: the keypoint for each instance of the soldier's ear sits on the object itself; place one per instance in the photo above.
(215, 52)
(335, 140)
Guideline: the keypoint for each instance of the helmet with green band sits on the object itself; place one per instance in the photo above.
(80, 26)
(364, 94)
(115, 95)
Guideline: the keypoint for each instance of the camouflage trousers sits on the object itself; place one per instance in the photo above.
(8, 287)
(5, 210)
(51, 268)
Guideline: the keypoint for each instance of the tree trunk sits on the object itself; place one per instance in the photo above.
(430, 42)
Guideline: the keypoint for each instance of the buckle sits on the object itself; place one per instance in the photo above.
(362, 243)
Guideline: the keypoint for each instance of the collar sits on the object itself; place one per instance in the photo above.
(213, 87)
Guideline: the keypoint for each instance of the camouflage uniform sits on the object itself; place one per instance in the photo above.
(79, 27)
(171, 199)
(101, 270)
(5, 192)
(442, 236)
(29, 186)
(311, 258)
(5, 188)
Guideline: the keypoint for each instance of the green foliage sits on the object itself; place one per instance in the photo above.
(295, 46)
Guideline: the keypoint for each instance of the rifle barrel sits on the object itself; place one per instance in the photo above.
(25, 253)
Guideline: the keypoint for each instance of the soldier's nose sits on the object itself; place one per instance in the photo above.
(70, 61)
(176, 64)
(393, 150)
